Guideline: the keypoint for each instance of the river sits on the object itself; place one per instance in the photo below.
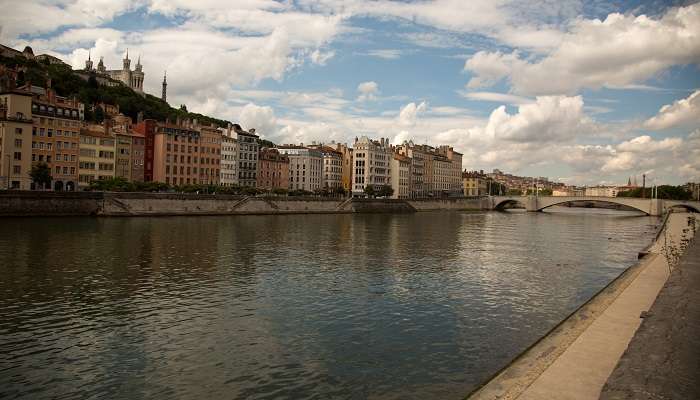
(382, 306)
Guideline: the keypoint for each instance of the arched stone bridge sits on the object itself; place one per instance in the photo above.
(648, 206)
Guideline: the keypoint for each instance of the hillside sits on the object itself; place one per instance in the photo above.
(68, 84)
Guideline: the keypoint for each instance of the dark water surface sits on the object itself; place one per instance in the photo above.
(311, 306)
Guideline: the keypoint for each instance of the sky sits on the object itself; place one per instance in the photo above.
(583, 92)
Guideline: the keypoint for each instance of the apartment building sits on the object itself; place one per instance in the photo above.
(209, 155)
(228, 175)
(273, 169)
(305, 167)
(248, 147)
(401, 176)
(97, 155)
(15, 140)
(372, 164)
(347, 165)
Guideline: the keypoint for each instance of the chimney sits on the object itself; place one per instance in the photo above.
(139, 117)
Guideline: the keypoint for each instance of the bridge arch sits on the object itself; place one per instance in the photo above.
(633, 205)
(509, 203)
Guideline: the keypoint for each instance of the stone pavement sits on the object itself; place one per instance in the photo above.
(663, 359)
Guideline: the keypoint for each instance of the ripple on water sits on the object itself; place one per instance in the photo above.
(317, 306)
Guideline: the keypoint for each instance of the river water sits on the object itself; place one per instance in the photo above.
(395, 306)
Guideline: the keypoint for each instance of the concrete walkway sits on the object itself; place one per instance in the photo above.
(663, 359)
(575, 361)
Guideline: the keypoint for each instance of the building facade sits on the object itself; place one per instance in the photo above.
(273, 170)
(55, 137)
(372, 164)
(401, 176)
(332, 167)
(475, 184)
(229, 160)
(305, 167)
(347, 167)
(133, 79)
(15, 140)
(209, 155)
(420, 161)
(248, 147)
(97, 155)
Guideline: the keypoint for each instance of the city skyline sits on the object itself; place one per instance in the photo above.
(585, 94)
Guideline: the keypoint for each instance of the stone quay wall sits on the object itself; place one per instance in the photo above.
(19, 203)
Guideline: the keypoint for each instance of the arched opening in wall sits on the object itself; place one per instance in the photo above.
(510, 205)
(58, 186)
(70, 186)
(593, 206)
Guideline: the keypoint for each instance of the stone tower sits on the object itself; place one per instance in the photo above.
(88, 63)
(163, 96)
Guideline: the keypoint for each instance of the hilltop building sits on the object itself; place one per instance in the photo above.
(132, 79)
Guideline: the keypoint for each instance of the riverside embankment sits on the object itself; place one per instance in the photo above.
(576, 358)
(151, 204)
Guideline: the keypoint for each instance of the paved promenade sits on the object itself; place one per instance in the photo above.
(663, 359)
(575, 361)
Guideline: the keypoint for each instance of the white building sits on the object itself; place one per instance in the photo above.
(448, 175)
(372, 164)
(602, 191)
(421, 162)
(332, 166)
(132, 79)
(305, 167)
(401, 176)
(229, 159)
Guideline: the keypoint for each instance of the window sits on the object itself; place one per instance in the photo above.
(18, 143)
(18, 130)
(18, 156)
(17, 170)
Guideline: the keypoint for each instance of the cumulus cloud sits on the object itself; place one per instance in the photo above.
(409, 113)
(368, 91)
(550, 118)
(262, 118)
(681, 113)
(620, 50)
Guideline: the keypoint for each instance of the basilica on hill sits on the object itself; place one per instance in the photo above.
(132, 79)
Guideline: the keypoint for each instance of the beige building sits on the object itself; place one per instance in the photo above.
(602, 191)
(209, 155)
(421, 163)
(332, 167)
(97, 155)
(372, 164)
(15, 140)
(474, 184)
(55, 136)
(347, 167)
(228, 175)
(401, 176)
(305, 167)
(449, 178)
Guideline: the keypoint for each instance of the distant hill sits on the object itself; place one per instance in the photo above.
(68, 84)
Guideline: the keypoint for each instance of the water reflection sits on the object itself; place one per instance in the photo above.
(314, 306)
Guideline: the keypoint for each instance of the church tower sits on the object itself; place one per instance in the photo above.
(165, 86)
(126, 61)
(88, 63)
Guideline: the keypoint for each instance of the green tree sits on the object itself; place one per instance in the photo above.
(514, 192)
(99, 115)
(370, 191)
(385, 191)
(41, 175)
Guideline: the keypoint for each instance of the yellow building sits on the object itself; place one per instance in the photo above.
(15, 140)
(97, 156)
